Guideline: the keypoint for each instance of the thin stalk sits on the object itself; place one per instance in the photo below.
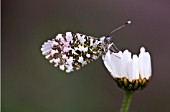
(126, 101)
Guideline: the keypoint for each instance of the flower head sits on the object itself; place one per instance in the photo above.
(130, 72)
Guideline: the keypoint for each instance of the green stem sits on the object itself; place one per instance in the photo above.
(126, 101)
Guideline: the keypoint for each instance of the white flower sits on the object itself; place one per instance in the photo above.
(131, 72)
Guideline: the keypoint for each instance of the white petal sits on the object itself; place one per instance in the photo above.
(142, 50)
(144, 64)
(126, 57)
(147, 67)
(135, 68)
(113, 63)
(141, 65)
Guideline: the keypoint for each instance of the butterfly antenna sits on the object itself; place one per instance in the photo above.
(127, 23)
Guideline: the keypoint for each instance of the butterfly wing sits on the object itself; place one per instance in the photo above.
(71, 51)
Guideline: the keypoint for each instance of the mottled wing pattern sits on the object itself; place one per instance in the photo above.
(71, 51)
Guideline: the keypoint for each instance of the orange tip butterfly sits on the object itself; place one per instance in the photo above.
(71, 51)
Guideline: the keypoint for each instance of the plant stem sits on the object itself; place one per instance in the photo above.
(126, 101)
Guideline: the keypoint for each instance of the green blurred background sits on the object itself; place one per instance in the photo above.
(31, 84)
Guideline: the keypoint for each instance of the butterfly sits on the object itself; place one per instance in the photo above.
(71, 51)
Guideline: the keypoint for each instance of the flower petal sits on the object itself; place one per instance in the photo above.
(135, 68)
(126, 57)
(112, 62)
(147, 59)
(144, 64)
